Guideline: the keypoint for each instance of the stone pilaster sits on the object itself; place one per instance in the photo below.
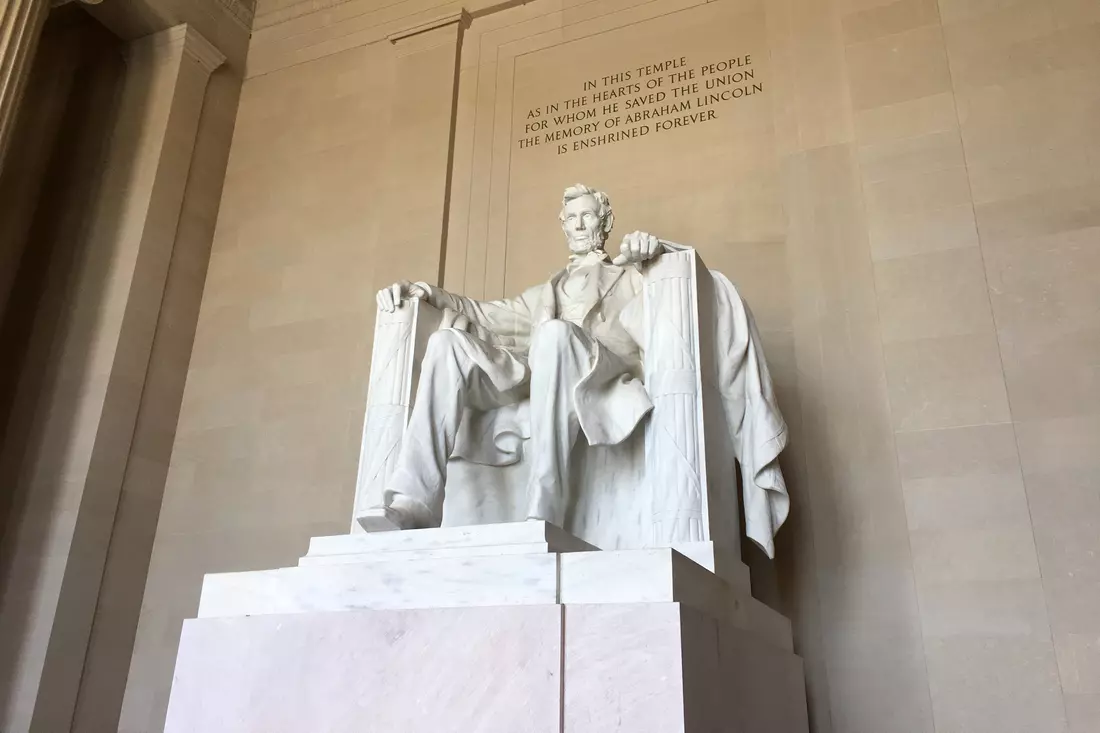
(21, 24)
(103, 352)
(419, 148)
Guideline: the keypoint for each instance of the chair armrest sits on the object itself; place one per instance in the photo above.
(399, 341)
(675, 465)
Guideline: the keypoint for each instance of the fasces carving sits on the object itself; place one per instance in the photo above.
(397, 336)
(675, 480)
(612, 400)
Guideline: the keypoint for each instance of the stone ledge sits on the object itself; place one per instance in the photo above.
(421, 578)
(530, 548)
(482, 535)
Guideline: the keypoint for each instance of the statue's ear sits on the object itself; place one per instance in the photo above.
(608, 222)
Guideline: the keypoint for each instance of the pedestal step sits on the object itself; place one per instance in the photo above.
(622, 576)
(513, 538)
(442, 553)
(502, 535)
(499, 629)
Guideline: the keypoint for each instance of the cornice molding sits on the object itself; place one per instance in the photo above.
(281, 15)
(459, 16)
(194, 44)
(241, 12)
(202, 50)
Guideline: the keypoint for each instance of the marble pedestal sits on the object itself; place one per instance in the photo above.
(505, 628)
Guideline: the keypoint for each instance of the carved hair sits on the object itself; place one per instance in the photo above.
(606, 214)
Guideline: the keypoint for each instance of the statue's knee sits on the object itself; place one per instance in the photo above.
(553, 334)
(445, 341)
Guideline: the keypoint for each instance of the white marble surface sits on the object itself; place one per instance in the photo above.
(724, 563)
(455, 570)
(649, 576)
(441, 553)
(606, 668)
(630, 641)
(622, 669)
(469, 670)
(484, 535)
(671, 668)
(502, 580)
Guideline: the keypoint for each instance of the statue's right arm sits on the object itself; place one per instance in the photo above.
(507, 321)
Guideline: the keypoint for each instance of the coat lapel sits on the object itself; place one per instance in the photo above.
(548, 303)
(609, 277)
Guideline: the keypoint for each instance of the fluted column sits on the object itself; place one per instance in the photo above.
(21, 24)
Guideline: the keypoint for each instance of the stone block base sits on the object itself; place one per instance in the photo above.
(639, 641)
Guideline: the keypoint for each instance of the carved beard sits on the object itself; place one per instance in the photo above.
(594, 244)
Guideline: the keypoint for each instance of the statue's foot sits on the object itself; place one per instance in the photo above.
(380, 519)
(399, 512)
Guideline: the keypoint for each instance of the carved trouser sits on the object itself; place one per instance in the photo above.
(460, 371)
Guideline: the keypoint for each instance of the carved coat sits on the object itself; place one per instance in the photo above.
(613, 313)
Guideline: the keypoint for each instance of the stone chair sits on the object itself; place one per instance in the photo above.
(672, 484)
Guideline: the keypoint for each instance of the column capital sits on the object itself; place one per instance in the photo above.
(197, 47)
(194, 45)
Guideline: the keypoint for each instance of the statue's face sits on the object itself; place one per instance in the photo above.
(582, 225)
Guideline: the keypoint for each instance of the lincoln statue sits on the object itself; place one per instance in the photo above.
(567, 345)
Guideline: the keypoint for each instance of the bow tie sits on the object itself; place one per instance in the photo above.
(591, 257)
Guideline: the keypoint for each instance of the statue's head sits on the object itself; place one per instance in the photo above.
(586, 218)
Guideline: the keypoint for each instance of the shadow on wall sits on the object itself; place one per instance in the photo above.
(789, 582)
(52, 181)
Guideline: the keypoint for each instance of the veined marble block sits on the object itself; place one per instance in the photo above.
(389, 632)
(460, 669)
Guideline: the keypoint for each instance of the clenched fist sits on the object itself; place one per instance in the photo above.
(637, 247)
(390, 299)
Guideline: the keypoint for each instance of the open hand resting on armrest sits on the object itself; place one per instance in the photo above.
(390, 299)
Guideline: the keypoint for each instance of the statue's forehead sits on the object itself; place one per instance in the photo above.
(586, 202)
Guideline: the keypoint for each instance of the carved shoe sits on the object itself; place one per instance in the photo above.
(399, 512)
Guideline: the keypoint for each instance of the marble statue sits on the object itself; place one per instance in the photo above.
(568, 455)
(583, 358)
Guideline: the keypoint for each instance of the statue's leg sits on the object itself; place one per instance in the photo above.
(561, 353)
(452, 377)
